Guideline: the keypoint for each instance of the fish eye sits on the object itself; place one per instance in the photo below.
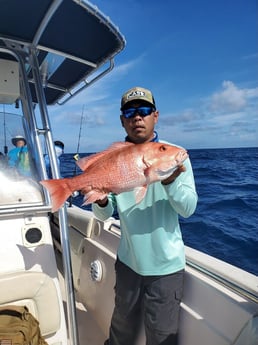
(162, 148)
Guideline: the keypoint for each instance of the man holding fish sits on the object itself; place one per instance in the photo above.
(150, 260)
(150, 183)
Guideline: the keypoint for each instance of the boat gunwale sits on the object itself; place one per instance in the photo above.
(234, 278)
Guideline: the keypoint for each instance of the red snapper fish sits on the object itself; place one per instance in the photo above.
(121, 168)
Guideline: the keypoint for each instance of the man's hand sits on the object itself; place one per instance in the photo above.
(102, 202)
(175, 174)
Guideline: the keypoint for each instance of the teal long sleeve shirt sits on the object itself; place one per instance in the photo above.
(151, 240)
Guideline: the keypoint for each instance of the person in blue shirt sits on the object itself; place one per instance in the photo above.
(150, 259)
(18, 157)
(59, 148)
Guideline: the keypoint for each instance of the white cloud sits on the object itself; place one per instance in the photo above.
(231, 98)
(226, 118)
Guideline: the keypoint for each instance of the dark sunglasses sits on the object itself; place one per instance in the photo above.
(142, 111)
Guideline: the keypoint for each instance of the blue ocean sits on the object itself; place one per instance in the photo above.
(225, 223)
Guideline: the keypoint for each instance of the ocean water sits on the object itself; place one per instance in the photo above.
(225, 223)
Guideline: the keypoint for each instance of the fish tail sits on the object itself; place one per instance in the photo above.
(59, 191)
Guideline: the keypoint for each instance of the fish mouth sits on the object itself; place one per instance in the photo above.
(181, 156)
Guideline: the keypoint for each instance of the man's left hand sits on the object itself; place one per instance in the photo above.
(175, 174)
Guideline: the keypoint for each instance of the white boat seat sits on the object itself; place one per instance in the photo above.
(78, 219)
(38, 292)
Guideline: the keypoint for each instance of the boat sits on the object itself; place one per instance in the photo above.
(61, 265)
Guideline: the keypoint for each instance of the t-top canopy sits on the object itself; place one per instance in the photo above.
(73, 39)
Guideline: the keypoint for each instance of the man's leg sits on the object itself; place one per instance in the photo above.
(126, 318)
(162, 297)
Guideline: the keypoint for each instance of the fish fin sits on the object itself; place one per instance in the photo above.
(139, 193)
(59, 191)
(92, 196)
(85, 162)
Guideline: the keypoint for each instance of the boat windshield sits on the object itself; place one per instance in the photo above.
(18, 175)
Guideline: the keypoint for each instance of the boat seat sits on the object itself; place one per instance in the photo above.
(82, 221)
(38, 292)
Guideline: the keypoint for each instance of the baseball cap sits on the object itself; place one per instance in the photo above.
(59, 144)
(17, 138)
(137, 94)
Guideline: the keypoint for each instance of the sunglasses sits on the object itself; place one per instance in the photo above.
(142, 111)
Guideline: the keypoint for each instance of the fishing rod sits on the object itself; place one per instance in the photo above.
(76, 156)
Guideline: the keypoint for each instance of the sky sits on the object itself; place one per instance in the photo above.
(198, 57)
